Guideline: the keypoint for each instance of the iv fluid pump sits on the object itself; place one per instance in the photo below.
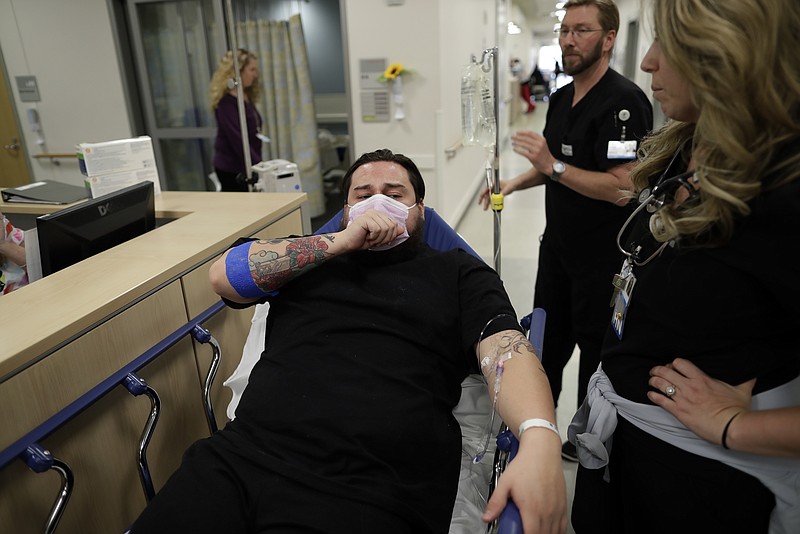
(477, 108)
(277, 176)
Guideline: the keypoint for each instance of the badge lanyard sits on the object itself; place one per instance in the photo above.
(652, 200)
(622, 149)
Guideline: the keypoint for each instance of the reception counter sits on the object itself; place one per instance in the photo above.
(64, 334)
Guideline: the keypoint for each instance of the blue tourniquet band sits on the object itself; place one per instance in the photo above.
(237, 268)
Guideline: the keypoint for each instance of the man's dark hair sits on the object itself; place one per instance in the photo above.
(385, 154)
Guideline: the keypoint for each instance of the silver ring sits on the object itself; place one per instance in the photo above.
(670, 390)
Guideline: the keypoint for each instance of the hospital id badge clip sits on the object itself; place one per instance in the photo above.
(623, 288)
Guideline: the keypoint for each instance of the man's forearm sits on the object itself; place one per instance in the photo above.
(530, 178)
(272, 263)
(247, 272)
(613, 186)
(524, 392)
(534, 479)
(275, 262)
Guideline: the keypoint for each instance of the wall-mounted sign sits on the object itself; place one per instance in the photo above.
(374, 94)
(375, 106)
(369, 70)
(28, 89)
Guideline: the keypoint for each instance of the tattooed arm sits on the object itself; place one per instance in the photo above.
(534, 479)
(273, 263)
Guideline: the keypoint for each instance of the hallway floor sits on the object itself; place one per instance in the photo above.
(522, 222)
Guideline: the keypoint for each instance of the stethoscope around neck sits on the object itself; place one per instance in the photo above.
(653, 200)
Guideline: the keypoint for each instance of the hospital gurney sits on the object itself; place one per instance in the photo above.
(472, 412)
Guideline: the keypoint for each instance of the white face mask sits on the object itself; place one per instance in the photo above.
(395, 209)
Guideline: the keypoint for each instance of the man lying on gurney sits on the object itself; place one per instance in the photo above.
(346, 424)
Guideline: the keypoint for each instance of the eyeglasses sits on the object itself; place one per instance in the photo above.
(578, 34)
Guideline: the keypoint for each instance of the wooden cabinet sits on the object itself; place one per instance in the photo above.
(100, 445)
(89, 339)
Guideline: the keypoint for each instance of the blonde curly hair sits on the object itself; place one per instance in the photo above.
(739, 59)
(219, 81)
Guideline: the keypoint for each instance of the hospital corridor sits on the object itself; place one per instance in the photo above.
(248, 286)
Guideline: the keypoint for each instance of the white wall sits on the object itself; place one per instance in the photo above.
(630, 9)
(70, 49)
(618, 56)
(435, 39)
(400, 34)
(468, 28)
(523, 45)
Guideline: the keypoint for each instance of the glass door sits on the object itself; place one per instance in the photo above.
(176, 45)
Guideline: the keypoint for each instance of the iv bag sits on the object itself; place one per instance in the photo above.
(477, 108)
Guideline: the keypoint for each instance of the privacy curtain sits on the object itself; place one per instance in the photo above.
(287, 100)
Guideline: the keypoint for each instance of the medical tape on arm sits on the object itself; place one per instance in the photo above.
(237, 269)
(497, 364)
(497, 361)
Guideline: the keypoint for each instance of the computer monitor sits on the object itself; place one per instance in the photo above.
(79, 232)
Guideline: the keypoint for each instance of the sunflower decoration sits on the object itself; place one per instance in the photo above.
(393, 75)
(392, 72)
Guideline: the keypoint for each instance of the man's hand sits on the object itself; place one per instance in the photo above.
(529, 178)
(534, 147)
(372, 229)
(536, 484)
(506, 188)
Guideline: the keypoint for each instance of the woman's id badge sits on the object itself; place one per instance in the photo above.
(623, 288)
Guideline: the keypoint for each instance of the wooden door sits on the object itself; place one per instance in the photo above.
(13, 161)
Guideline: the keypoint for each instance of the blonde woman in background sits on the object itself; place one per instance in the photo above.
(229, 161)
(711, 277)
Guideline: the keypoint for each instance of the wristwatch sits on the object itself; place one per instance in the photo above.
(559, 168)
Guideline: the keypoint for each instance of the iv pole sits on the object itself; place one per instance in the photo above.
(493, 159)
(501, 456)
(237, 83)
